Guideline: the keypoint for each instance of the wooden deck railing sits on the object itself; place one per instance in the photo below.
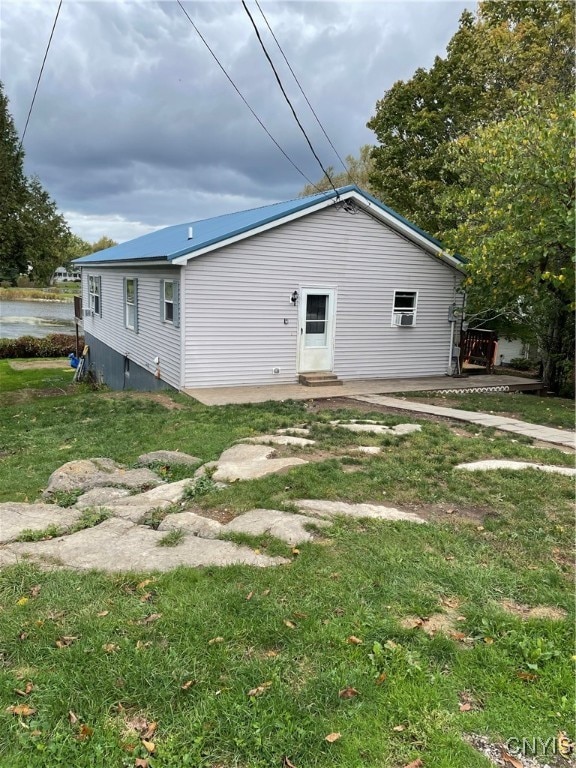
(478, 347)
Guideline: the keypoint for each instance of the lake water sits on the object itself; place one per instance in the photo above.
(35, 318)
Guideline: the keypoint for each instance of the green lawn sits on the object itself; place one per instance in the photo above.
(550, 411)
(141, 651)
(34, 379)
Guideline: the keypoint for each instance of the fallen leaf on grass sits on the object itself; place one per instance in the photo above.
(149, 746)
(145, 597)
(399, 728)
(415, 764)
(21, 710)
(332, 737)
(287, 763)
(300, 615)
(35, 590)
(72, 717)
(28, 688)
(149, 732)
(265, 593)
(381, 678)
(260, 689)
(140, 645)
(85, 732)
(509, 760)
(295, 551)
(150, 619)
(465, 706)
(101, 614)
(458, 636)
(144, 583)
(348, 693)
(22, 635)
(215, 640)
(250, 595)
(110, 647)
(289, 624)
(527, 676)
(141, 762)
(353, 640)
(188, 684)
(65, 641)
(22, 601)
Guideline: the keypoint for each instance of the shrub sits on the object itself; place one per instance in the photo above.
(521, 364)
(54, 345)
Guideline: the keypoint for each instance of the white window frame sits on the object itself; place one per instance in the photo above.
(94, 293)
(398, 312)
(171, 301)
(131, 307)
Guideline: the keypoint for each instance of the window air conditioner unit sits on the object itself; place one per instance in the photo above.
(87, 312)
(403, 319)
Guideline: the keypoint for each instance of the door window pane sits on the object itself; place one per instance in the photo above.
(316, 308)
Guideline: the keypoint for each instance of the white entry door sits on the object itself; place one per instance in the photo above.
(316, 319)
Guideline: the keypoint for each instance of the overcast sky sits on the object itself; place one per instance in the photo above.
(135, 127)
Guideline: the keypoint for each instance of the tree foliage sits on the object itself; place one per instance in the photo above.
(507, 48)
(513, 209)
(358, 171)
(33, 234)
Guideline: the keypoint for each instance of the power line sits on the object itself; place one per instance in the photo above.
(201, 36)
(40, 75)
(324, 171)
(302, 89)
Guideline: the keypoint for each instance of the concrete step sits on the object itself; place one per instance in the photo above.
(320, 379)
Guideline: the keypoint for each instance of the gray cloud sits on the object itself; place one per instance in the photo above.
(136, 127)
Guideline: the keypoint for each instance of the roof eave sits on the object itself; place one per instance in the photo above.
(366, 202)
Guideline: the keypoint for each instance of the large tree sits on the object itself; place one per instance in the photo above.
(358, 171)
(34, 236)
(505, 49)
(513, 214)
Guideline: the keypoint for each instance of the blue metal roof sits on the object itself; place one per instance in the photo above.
(170, 243)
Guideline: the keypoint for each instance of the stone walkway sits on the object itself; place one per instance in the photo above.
(502, 423)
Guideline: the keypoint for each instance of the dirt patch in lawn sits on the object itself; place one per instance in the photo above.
(448, 622)
(338, 403)
(34, 365)
(220, 515)
(451, 513)
(161, 398)
(537, 612)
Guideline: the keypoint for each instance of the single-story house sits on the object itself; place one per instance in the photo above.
(336, 282)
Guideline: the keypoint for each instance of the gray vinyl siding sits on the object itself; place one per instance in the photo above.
(237, 299)
(153, 338)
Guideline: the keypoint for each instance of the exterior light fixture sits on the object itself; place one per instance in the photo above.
(294, 297)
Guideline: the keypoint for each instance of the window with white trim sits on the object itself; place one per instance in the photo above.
(170, 302)
(94, 291)
(404, 308)
(131, 303)
(168, 311)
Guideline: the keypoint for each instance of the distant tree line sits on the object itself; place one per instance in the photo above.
(35, 238)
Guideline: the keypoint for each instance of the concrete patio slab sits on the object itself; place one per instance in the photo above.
(277, 392)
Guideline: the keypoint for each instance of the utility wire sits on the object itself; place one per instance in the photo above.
(302, 90)
(40, 75)
(324, 171)
(200, 35)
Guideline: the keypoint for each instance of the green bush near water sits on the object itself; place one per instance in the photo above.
(54, 345)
